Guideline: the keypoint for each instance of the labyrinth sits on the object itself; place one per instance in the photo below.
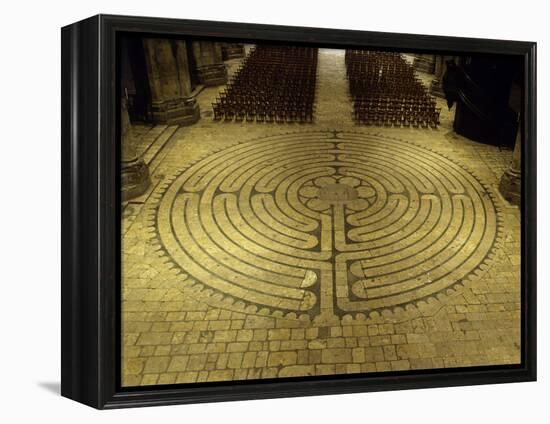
(326, 223)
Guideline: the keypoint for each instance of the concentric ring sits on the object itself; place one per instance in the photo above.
(327, 223)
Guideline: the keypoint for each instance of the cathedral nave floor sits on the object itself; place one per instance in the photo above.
(267, 250)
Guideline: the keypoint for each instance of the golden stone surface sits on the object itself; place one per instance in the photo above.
(265, 250)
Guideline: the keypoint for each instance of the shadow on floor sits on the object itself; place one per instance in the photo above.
(51, 386)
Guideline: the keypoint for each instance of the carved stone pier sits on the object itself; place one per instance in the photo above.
(210, 67)
(424, 63)
(510, 182)
(134, 172)
(232, 51)
(170, 83)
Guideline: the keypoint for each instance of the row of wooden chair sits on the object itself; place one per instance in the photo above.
(396, 117)
(386, 91)
(273, 84)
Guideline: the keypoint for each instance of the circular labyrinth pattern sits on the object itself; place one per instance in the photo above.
(327, 223)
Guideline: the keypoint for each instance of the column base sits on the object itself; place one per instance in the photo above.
(436, 89)
(135, 179)
(233, 51)
(184, 111)
(510, 186)
(212, 75)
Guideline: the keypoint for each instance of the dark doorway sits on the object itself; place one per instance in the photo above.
(481, 86)
(135, 81)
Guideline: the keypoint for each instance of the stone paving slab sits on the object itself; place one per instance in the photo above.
(269, 250)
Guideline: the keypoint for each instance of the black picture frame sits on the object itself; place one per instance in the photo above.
(91, 216)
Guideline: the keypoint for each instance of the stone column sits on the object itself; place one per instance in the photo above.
(510, 182)
(134, 172)
(210, 67)
(170, 82)
(232, 51)
(436, 88)
(425, 63)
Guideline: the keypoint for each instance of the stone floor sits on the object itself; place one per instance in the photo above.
(268, 250)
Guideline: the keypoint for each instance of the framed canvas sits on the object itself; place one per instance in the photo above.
(254, 211)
